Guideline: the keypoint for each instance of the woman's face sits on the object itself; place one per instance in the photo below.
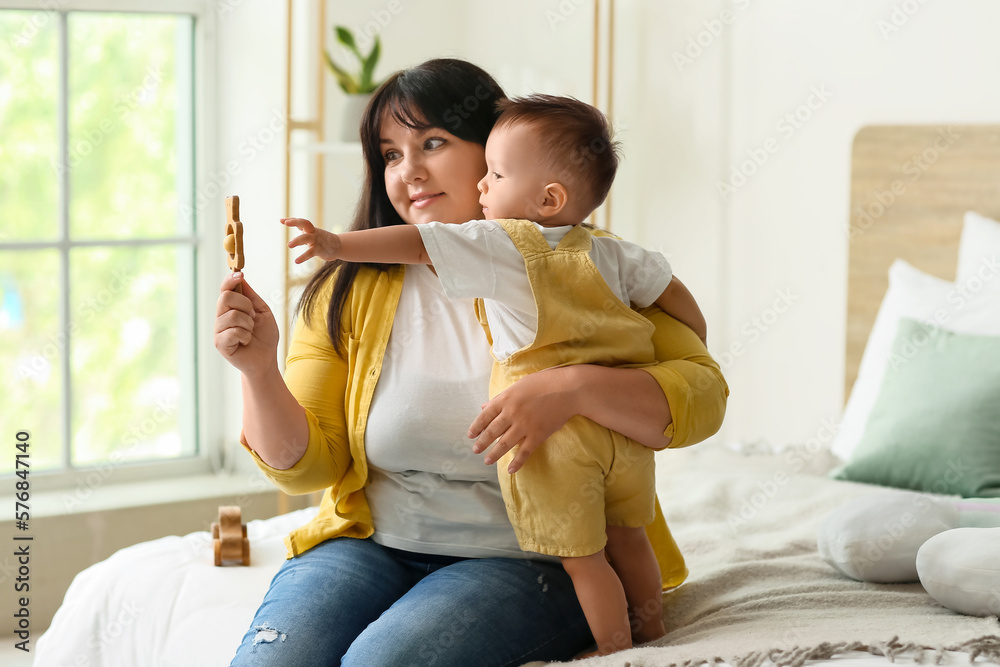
(431, 175)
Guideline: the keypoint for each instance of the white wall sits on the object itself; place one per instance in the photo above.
(533, 47)
(524, 47)
(708, 91)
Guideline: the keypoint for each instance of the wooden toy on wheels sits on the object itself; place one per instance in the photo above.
(229, 535)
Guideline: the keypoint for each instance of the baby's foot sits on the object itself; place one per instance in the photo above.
(647, 622)
(651, 630)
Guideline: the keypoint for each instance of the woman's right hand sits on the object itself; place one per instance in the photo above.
(246, 333)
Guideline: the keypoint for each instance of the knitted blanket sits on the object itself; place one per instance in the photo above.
(758, 592)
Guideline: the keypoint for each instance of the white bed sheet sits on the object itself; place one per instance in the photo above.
(164, 603)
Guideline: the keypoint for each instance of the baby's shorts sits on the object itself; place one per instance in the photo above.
(583, 478)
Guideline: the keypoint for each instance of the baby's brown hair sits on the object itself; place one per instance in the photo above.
(575, 140)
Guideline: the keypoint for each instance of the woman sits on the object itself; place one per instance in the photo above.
(411, 559)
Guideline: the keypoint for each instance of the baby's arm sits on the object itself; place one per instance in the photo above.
(398, 244)
(678, 302)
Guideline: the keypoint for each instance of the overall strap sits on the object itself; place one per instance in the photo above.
(526, 237)
(577, 240)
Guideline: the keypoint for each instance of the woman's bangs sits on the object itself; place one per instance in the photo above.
(406, 111)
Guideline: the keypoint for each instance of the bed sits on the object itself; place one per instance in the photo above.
(746, 518)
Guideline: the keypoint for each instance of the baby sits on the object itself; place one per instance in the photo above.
(554, 294)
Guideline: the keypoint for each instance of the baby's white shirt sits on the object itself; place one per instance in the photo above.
(478, 259)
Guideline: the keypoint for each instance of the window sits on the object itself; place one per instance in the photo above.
(98, 242)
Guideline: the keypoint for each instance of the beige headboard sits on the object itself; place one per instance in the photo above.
(910, 187)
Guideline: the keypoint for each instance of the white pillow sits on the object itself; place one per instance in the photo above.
(979, 249)
(971, 309)
(960, 569)
(876, 538)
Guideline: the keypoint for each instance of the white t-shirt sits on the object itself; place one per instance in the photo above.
(427, 490)
(479, 259)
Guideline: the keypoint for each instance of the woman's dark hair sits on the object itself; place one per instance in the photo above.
(451, 94)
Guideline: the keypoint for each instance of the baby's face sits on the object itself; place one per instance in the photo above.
(515, 178)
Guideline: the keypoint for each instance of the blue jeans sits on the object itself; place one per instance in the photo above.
(354, 602)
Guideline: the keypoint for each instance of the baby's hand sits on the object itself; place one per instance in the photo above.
(322, 244)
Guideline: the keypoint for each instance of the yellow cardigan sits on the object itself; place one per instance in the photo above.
(335, 459)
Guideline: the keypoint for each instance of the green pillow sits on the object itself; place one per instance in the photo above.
(935, 425)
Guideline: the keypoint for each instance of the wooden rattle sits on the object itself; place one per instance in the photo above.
(234, 236)
(229, 536)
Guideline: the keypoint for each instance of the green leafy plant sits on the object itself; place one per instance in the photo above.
(359, 82)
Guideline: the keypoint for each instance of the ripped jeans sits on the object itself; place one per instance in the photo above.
(354, 602)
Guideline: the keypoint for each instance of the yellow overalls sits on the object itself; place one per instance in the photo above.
(584, 475)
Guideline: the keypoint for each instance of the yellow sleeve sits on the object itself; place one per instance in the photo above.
(317, 377)
(691, 380)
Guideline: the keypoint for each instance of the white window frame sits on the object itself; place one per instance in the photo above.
(208, 414)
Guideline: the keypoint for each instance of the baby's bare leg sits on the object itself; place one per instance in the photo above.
(603, 600)
(633, 559)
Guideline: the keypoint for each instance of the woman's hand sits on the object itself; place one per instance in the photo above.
(627, 400)
(525, 414)
(246, 333)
